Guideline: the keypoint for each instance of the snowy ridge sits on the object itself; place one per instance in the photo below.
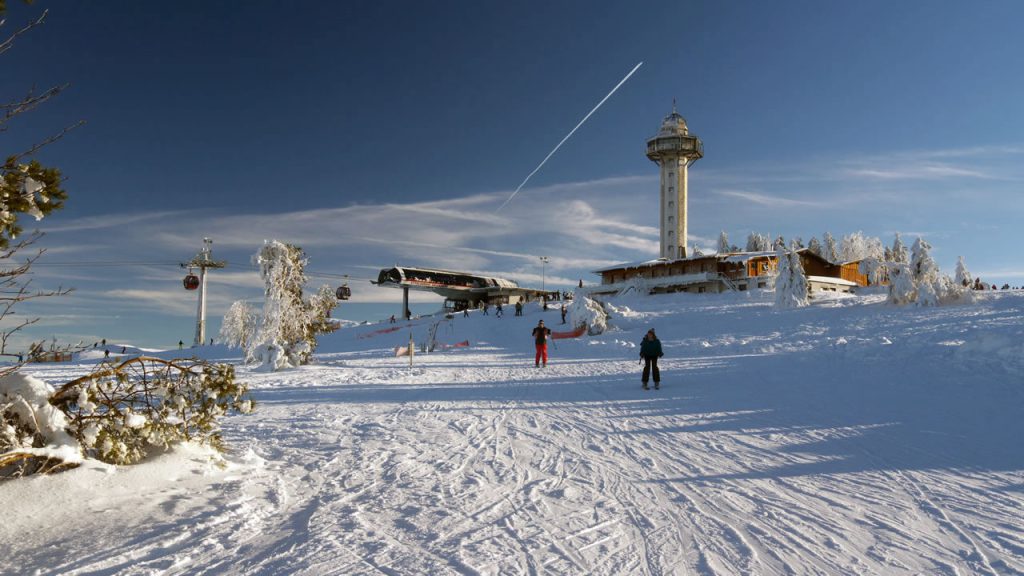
(845, 437)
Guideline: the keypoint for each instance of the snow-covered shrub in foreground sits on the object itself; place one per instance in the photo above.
(33, 435)
(116, 414)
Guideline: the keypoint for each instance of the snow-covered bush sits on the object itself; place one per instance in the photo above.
(119, 412)
(33, 435)
(116, 414)
(287, 336)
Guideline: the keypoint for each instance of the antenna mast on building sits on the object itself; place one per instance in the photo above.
(202, 260)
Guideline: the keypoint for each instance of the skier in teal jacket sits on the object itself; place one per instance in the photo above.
(650, 351)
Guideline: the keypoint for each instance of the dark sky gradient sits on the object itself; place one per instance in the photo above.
(840, 116)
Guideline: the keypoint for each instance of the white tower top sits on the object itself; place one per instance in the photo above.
(674, 149)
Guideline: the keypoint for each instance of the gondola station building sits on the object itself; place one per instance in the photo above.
(674, 150)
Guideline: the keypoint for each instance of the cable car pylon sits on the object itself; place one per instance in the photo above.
(203, 260)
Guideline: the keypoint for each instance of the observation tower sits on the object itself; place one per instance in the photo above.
(674, 149)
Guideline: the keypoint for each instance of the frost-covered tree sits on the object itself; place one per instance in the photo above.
(921, 282)
(875, 269)
(758, 243)
(899, 251)
(790, 282)
(926, 273)
(287, 335)
(815, 247)
(831, 253)
(239, 326)
(902, 288)
(723, 243)
(963, 277)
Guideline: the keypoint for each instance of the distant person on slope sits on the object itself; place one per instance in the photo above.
(650, 351)
(540, 339)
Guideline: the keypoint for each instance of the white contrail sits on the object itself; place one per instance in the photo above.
(571, 132)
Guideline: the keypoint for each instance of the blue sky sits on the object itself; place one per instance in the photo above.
(375, 133)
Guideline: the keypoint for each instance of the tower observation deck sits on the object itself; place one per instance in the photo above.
(674, 149)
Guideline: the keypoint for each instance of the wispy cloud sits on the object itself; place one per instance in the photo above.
(768, 200)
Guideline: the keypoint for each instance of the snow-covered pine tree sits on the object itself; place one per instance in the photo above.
(287, 336)
(902, 288)
(963, 277)
(320, 306)
(782, 278)
(752, 245)
(815, 246)
(723, 243)
(831, 253)
(798, 282)
(239, 326)
(899, 250)
(281, 340)
(790, 282)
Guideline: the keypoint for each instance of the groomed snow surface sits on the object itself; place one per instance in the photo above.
(848, 437)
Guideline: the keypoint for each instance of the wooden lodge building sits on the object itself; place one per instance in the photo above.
(736, 271)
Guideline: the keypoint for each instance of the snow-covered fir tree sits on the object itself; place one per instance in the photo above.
(857, 246)
(963, 277)
(926, 273)
(239, 326)
(790, 282)
(899, 251)
(287, 335)
(815, 246)
(902, 288)
(758, 243)
(830, 252)
(723, 243)
(921, 282)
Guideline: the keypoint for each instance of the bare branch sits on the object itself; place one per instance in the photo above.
(47, 142)
(6, 44)
(28, 103)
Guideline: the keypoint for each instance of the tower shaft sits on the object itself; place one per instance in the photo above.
(674, 149)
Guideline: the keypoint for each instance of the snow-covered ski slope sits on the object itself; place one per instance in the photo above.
(848, 437)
